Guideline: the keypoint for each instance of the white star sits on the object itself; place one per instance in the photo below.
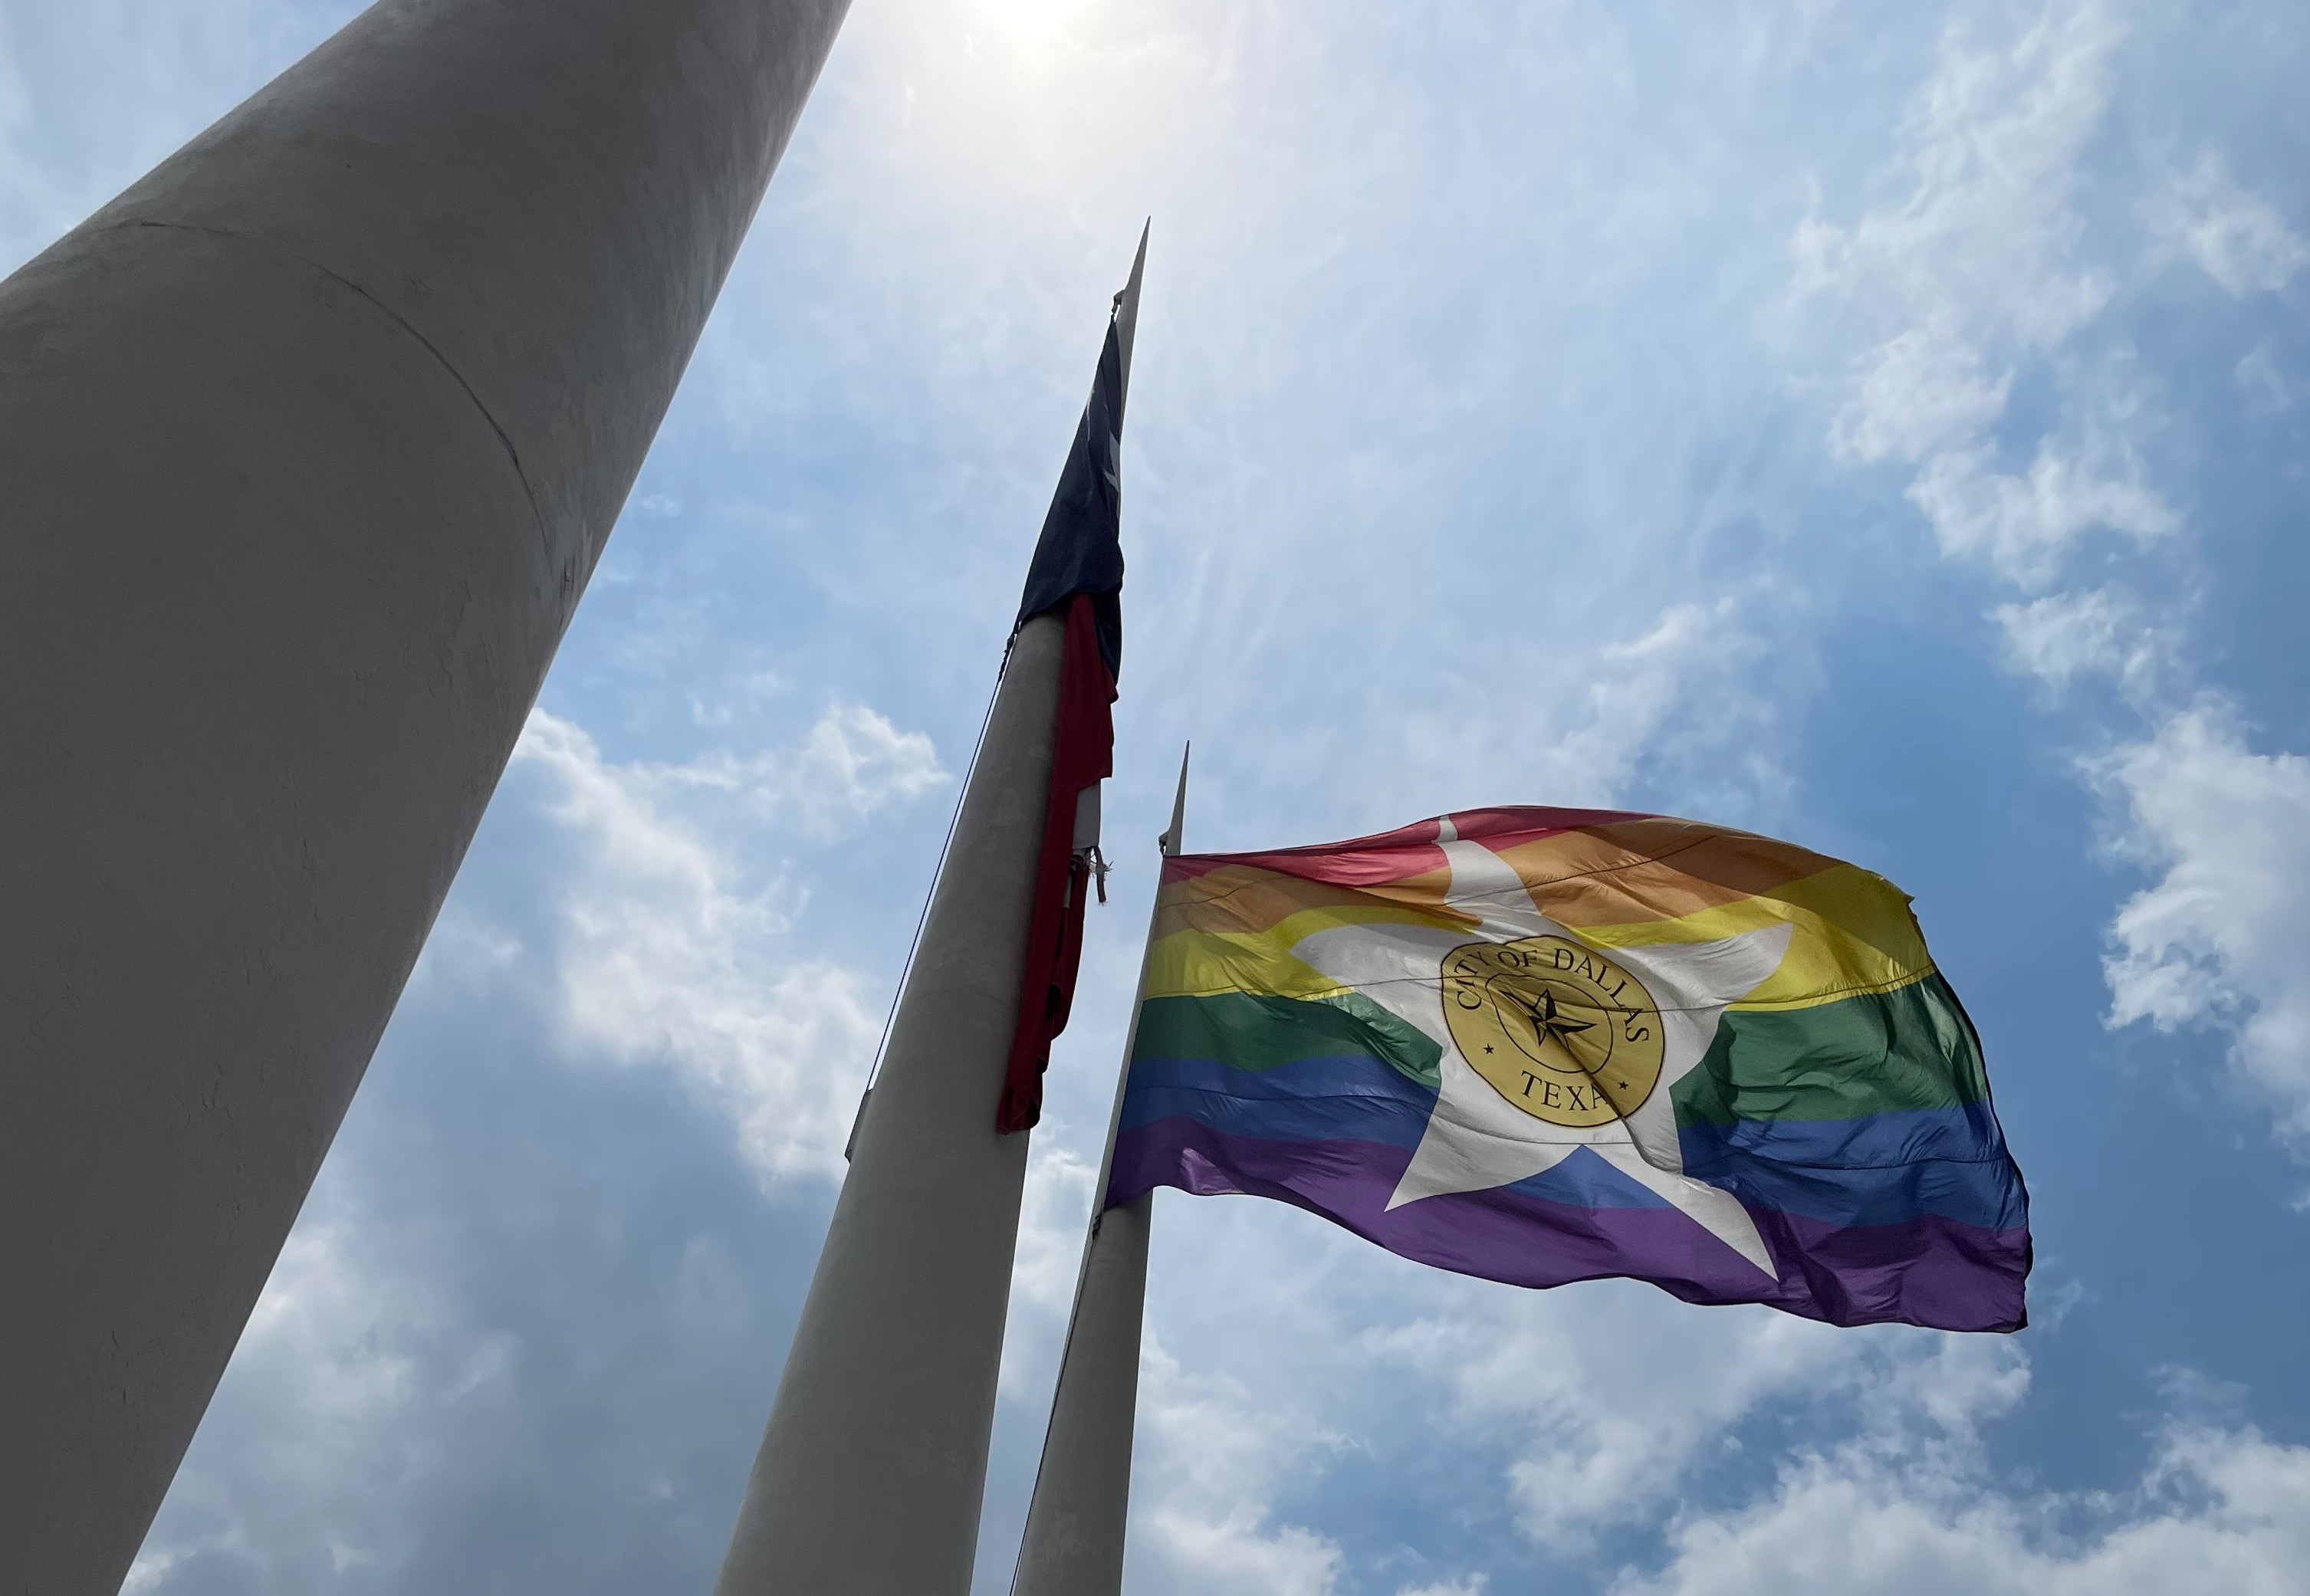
(1476, 1139)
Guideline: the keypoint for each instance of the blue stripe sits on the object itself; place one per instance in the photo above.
(1881, 1170)
(1884, 1169)
(1876, 1140)
(1346, 1098)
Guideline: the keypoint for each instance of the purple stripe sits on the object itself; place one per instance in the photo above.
(1934, 1272)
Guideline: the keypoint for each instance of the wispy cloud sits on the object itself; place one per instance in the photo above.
(1219, 1453)
(1979, 266)
(2219, 1509)
(1986, 273)
(2236, 238)
(2215, 939)
(659, 954)
(2065, 638)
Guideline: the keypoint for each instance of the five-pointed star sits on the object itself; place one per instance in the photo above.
(1549, 1026)
(1476, 1139)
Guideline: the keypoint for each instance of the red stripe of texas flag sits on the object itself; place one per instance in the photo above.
(1082, 752)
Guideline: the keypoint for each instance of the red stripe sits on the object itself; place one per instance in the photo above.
(1083, 752)
(1406, 850)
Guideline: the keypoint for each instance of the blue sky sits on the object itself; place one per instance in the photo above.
(1879, 426)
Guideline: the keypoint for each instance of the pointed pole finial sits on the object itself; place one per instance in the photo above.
(1170, 840)
(1126, 306)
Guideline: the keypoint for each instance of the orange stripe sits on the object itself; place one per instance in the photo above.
(1651, 869)
(1242, 898)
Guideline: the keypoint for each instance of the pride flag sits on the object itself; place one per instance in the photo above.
(1540, 1046)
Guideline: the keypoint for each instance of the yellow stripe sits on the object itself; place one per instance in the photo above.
(1215, 957)
(1853, 934)
(1192, 963)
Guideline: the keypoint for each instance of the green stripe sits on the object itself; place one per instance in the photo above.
(1911, 1048)
(1251, 1032)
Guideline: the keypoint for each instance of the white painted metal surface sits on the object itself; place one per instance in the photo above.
(309, 443)
(1076, 1522)
(874, 1464)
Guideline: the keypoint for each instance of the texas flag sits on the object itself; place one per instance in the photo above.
(1077, 575)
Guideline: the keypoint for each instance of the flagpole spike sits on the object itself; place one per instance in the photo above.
(1170, 841)
(1126, 307)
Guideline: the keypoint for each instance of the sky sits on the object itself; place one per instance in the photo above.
(1883, 427)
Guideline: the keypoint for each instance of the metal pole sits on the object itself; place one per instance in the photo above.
(873, 1467)
(1075, 1520)
(874, 1464)
(309, 443)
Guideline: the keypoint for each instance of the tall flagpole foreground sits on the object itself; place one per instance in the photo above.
(1075, 1520)
(309, 443)
(872, 1466)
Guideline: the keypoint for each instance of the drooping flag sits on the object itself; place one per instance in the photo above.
(1077, 573)
(1541, 1045)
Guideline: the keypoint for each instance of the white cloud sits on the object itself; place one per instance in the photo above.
(1595, 1405)
(661, 956)
(1681, 682)
(2068, 636)
(1214, 1455)
(1976, 271)
(1978, 263)
(352, 1368)
(2219, 1510)
(1908, 1505)
(2237, 238)
(382, 1370)
(1917, 389)
(1607, 1397)
(1689, 657)
(1054, 1214)
(852, 763)
(2261, 384)
(2218, 937)
(2022, 524)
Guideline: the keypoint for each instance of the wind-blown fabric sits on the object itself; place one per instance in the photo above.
(1077, 574)
(1083, 755)
(1541, 1045)
(1081, 549)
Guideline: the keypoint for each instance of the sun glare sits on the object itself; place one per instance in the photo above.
(1033, 26)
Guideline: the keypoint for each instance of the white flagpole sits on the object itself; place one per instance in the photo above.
(873, 1467)
(309, 443)
(874, 1459)
(1074, 1541)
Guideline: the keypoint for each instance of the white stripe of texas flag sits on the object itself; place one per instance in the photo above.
(1476, 1139)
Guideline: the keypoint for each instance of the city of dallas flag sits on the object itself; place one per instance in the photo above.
(1543, 1045)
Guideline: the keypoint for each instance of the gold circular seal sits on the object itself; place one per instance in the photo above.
(1559, 1029)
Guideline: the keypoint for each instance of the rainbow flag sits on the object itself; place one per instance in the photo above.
(1543, 1045)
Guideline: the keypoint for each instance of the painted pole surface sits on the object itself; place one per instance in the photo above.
(1075, 1520)
(874, 1464)
(1074, 1536)
(309, 443)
